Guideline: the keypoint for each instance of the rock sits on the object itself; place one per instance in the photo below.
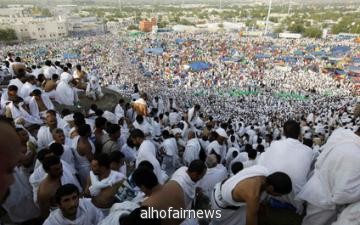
(108, 102)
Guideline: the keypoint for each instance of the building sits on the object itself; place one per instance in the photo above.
(146, 25)
(36, 28)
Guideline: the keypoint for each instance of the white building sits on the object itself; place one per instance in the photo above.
(32, 28)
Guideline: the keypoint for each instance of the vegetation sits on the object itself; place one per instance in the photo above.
(313, 32)
(38, 11)
(133, 27)
(296, 28)
(185, 22)
(279, 29)
(307, 20)
(7, 35)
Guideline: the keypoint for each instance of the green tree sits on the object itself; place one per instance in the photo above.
(162, 24)
(46, 12)
(100, 13)
(313, 32)
(185, 22)
(7, 35)
(279, 29)
(346, 24)
(296, 28)
(133, 27)
(250, 23)
(274, 19)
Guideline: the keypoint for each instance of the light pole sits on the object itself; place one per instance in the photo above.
(289, 8)
(267, 18)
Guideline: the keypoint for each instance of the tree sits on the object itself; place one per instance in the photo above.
(313, 32)
(7, 35)
(46, 12)
(250, 23)
(279, 29)
(41, 11)
(133, 27)
(296, 28)
(100, 13)
(162, 24)
(274, 19)
(185, 22)
(346, 24)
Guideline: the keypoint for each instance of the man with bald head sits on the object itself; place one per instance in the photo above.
(10, 149)
(215, 173)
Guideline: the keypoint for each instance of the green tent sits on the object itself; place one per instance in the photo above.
(136, 33)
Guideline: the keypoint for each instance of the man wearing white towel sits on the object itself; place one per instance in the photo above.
(291, 157)
(239, 197)
(72, 209)
(103, 182)
(335, 182)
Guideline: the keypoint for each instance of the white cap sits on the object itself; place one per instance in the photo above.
(307, 135)
(221, 132)
(69, 118)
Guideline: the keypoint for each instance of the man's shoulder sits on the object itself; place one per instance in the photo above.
(44, 192)
(43, 128)
(51, 218)
(86, 202)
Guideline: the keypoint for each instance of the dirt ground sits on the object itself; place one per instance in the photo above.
(108, 102)
(272, 216)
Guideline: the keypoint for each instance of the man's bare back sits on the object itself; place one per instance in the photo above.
(171, 195)
(249, 191)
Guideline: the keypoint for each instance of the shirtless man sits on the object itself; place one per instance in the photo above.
(39, 104)
(39, 101)
(49, 185)
(174, 194)
(10, 149)
(239, 197)
(80, 77)
(83, 152)
(103, 183)
(50, 85)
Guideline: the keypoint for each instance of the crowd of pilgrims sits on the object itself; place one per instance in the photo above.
(163, 147)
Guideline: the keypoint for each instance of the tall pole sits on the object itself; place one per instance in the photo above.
(220, 4)
(119, 2)
(289, 7)
(267, 18)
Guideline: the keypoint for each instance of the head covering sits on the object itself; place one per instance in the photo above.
(307, 135)
(220, 131)
(110, 117)
(69, 118)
